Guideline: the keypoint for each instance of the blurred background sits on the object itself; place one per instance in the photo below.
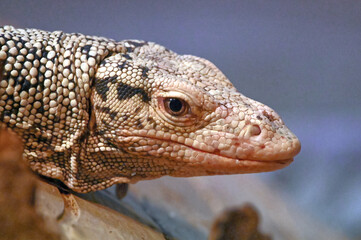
(301, 58)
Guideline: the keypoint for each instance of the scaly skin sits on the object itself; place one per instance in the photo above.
(93, 112)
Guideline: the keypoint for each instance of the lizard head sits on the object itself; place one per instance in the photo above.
(158, 113)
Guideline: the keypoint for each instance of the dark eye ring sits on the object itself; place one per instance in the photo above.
(176, 106)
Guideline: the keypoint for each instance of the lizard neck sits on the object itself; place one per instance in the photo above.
(45, 87)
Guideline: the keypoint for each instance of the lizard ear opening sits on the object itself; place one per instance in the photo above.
(92, 125)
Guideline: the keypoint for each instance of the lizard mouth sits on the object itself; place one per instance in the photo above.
(215, 163)
(194, 161)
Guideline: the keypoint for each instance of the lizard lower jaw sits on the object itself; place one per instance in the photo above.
(252, 166)
(234, 166)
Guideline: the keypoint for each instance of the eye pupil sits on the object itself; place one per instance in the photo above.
(175, 105)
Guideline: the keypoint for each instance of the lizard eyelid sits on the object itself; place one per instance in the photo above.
(177, 111)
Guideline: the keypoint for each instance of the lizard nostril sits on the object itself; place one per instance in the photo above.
(252, 131)
(255, 130)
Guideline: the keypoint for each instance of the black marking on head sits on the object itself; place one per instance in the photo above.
(101, 86)
(127, 56)
(134, 45)
(44, 148)
(125, 92)
(137, 44)
(10, 98)
(42, 139)
(112, 115)
(107, 110)
(106, 124)
(85, 49)
(137, 110)
(104, 109)
(18, 80)
(56, 119)
(5, 114)
(145, 72)
(41, 109)
(33, 51)
(60, 38)
(123, 65)
(22, 41)
(25, 86)
(100, 132)
(125, 117)
(44, 54)
(139, 124)
(269, 117)
(109, 143)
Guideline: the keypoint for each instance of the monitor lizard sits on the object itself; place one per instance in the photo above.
(93, 112)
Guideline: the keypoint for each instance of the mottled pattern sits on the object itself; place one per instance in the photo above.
(93, 112)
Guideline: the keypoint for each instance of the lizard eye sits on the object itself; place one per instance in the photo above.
(176, 106)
